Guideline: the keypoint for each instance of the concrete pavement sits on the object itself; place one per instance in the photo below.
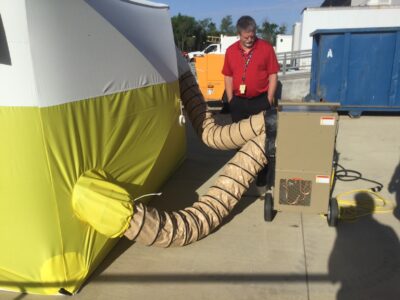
(294, 257)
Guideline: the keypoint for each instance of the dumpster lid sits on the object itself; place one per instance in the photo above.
(311, 106)
(354, 30)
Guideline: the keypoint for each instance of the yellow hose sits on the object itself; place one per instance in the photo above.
(350, 209)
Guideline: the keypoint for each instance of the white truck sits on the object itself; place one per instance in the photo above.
(225, 42)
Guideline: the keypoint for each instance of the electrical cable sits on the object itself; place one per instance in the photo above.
(352, 175)
(349, 208)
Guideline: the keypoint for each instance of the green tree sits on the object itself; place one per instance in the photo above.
(269, 31)
(227, 27)
(185, 29)
(282, 29)
(208, 26)
(205, 28)
(190, 34)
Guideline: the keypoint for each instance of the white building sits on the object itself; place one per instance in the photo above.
(283, 43)
(296, 36)
(335, 17)
(374, 2)
(342, 14)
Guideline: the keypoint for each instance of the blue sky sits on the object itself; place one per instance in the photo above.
(276, 11)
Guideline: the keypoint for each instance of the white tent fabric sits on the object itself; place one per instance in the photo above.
(59, 49)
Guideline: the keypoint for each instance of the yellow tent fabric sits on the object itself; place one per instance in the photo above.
(134, 136)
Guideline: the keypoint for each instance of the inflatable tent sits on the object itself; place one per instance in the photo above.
(84, 85)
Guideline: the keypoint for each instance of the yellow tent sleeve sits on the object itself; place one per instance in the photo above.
(104, 205)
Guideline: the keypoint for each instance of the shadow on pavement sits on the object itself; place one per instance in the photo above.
(394, 187)
(365, 259)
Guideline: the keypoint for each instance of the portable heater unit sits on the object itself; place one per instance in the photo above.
(304, 160)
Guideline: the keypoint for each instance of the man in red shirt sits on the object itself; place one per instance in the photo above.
(250, 74)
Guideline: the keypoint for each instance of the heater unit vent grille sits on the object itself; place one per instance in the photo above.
(295, 191)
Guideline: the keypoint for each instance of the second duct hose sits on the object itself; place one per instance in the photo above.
(232, 136)
(150, 226)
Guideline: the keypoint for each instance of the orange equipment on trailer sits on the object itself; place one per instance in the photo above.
(209, 76)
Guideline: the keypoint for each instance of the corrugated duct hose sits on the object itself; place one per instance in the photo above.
(226, 137)
(164, 229)
(152, 227)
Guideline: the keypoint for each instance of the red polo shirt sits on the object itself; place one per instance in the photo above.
(262, 63)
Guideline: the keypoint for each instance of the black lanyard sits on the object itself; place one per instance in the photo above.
(246, 63)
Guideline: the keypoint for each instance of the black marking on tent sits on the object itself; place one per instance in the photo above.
(5, 57)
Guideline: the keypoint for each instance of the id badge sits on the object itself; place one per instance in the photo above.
(242, 89)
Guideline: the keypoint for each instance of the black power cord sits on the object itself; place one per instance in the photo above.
(344, 174)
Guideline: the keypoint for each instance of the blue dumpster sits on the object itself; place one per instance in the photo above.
(359, 68)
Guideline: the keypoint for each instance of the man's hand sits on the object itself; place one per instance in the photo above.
(228, 87)
(273, 84)
(271, 100)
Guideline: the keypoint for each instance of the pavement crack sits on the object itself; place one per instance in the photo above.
(305, 257)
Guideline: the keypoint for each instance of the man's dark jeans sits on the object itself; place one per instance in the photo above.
(242, 108)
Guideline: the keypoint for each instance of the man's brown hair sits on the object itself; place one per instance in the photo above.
(246, 23)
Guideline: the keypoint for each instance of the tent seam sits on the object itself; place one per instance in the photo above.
(127, 90)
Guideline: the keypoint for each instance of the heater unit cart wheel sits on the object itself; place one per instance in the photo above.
(268, 207)
(333, 212)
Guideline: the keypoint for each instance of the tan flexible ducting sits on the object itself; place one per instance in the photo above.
(150, 227)
(232, 136)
